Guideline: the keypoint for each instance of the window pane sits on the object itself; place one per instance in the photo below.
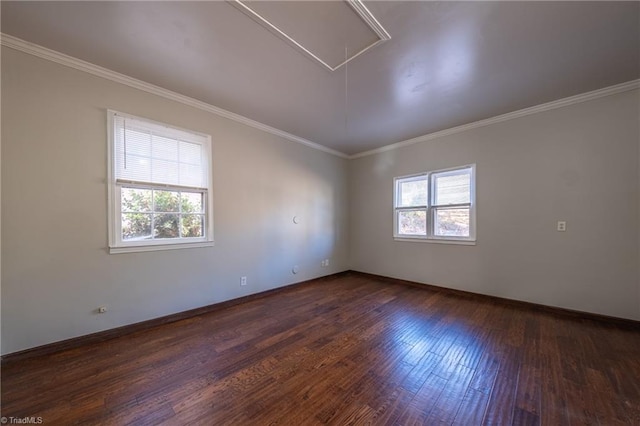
(192, 225)
(136, 226)
(412, 192)
(166, 201)
(136, 200)
(451, 222)
(166, 225)
(191, 202)
(452, 188)
(412, 222)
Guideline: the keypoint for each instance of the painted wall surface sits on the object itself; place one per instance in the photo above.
(55, 266)
(578, 163)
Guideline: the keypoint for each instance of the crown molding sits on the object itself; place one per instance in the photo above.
(560, 103)
(78, 64)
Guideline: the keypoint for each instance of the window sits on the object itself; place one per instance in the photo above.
(159, 186)
(436, 206)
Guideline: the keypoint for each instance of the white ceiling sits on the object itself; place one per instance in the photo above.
(447, 63)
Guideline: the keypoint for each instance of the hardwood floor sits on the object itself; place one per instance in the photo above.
(350, 350)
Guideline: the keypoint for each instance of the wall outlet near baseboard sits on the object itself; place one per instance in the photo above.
(243, 280)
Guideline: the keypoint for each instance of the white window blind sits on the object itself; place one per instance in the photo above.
(151, 153)
(452, 187)
(412, 192)
(160, 189)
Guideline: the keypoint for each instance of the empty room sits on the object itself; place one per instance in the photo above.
(320, 212)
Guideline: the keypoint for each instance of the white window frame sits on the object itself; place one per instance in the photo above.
(431, 208)
(114, 194)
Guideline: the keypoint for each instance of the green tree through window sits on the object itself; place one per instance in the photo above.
(161, 214)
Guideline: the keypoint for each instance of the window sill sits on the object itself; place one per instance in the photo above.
(437, 241)
(159, 247)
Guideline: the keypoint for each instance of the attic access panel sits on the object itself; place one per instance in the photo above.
(330, 32)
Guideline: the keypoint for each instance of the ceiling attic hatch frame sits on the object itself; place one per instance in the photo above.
(297, 23)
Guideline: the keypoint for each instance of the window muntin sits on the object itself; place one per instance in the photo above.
(437, 205)
(160, 192)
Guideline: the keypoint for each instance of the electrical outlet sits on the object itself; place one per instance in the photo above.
(243, 280)
(562, 226)
(102, 309)
(326, 262)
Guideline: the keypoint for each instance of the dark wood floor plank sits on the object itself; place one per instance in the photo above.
(353, 349)
(472, 409)
(501, 402)
(390, 410)
(420, 407)
(414, 381)
(451, 397)
(528, 392)
(553, 404)
(612, 411)
(486, 371)
(525, 418)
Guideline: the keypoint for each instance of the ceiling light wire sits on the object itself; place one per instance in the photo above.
(346, 93)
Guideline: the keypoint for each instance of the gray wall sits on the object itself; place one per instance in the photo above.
(578, 163)
(55, 265)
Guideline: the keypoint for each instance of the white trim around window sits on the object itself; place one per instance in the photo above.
(437, 206)
(159, 186)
